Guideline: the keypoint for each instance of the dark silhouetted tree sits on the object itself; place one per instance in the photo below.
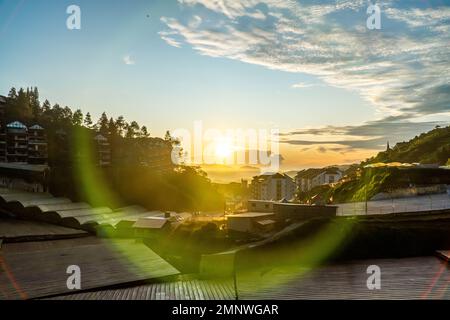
(88, 120)
(77, 118)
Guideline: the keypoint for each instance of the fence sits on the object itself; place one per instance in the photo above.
(411, 204)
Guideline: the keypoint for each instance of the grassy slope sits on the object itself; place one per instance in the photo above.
(430, 147)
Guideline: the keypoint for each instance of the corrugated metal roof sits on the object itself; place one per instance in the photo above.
(150, 223)
(22, 230)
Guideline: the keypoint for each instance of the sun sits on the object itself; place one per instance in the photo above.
(223, 149)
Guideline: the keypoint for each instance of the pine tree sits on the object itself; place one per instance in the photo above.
(131, 130)
(35, 105)
(88, 120)
(168, 137)
(120, 125)
(103, 123)
(77, 118)
(12, 93)
(144, 132)
(112, 128)
(46, 107)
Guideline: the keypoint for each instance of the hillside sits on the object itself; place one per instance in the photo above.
(432, 147)
(429, 147)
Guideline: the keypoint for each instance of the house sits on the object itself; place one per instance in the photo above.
(251, 222)
(260, 205)
(310, 178)
(272, 187)
(37, 145)
(16, 142)
(2, 129)
(103, 150)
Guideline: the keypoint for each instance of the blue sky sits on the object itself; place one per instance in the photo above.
(296, 66)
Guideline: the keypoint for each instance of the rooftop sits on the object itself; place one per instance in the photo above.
(24, 166)
(16, 125)
(251, 215)
(36, 127)
(151, 223)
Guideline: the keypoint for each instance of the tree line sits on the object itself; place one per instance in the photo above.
(131, 178)
(25, 104)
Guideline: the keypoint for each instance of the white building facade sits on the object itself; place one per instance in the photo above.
(273, 187)
(310, 178)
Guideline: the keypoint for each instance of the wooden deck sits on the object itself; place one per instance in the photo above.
(177, 290)
(409, 278)
(34, 271)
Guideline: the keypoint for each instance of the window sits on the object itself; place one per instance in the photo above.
(279, 190)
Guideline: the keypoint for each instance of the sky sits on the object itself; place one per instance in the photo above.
(336, 90)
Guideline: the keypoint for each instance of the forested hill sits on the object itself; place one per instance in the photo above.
(432, 147)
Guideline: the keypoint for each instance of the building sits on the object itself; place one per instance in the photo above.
(65, 157)
(23, 145)
(310, 178)
(272, 187)
(103, 150)
(37, 145)
(16, 142)
(251, 222)
(3, 101)
(158, 156)
(260, 205)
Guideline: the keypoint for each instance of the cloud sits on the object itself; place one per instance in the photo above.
(372, 135)
(128, 60)
(403, 70)
(302, 85)
(322, 149)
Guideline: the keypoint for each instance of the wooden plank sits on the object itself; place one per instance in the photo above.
(409, 278)
(41, 273)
